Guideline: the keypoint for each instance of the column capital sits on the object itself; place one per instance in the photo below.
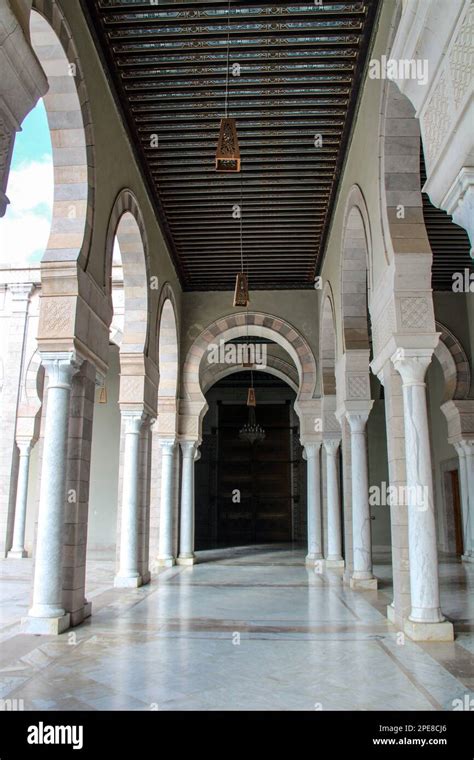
(25, 446)
(467, 446)
(134, 420)
(20, 291)
(412, 364)
(331, 445)
(357, 420)
(167, 445)
(189, 449)
(312, 449)
(60, 368)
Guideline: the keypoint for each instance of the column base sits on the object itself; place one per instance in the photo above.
(78, 616)
(17, 554)
(146, 578)
(334, 563)
(127, 581)
(310, 559)
(186, 560)
(363, 584)
(467, 558)
(346, 576)
(165, 562)
(429, 631)
(46, 626)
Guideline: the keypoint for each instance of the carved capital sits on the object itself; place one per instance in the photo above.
(412, 365)
(60, 368)
(357, 421)
(331, 446)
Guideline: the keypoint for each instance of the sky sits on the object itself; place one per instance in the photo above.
(24, 230)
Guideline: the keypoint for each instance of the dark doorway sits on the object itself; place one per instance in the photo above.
(249, 493)
(253, 481)
(454, 515)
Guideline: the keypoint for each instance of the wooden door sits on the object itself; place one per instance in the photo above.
(254, 481)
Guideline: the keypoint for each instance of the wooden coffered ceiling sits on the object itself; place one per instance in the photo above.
(301, 67)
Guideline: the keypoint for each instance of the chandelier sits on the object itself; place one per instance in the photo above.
(252, 432)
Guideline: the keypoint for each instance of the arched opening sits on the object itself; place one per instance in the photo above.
(250, 493)
(272, 349)
(328, 349)
(26, 226)
(168, 352)
(126, 281)
(355, 316)
(359, 384)
(72, 156)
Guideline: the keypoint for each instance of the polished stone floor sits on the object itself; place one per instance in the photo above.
(248, 628)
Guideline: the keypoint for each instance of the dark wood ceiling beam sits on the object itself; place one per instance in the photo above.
(300, 66)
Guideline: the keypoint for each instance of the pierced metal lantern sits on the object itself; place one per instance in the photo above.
(251, 400)
(241, 293)
(228, 152)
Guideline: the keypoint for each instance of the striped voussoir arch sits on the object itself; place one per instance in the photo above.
(252, 324)
(126, 224)
(212, 373)
(167, 332)
(454, 363)
(70, 121)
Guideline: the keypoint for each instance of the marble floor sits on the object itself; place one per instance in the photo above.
(248, 628)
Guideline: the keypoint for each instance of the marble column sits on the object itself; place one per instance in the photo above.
(467, 446)
(81, 419)
(145, 498)
(128, 575)
(16, 331)
(165, 545)
(426, 621)
(334, 558)
(362, 576)
(47, 615)
(18, 548)
(315, 532)
(186, 527)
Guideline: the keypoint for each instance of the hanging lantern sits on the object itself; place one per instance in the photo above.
(103, 395)
(241, 293)
(251, 400)
(228, 152)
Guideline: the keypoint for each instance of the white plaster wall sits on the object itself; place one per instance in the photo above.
(105, 465)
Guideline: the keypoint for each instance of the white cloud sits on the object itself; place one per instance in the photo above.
(30, 185)
(22, 238)
(24, 230)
